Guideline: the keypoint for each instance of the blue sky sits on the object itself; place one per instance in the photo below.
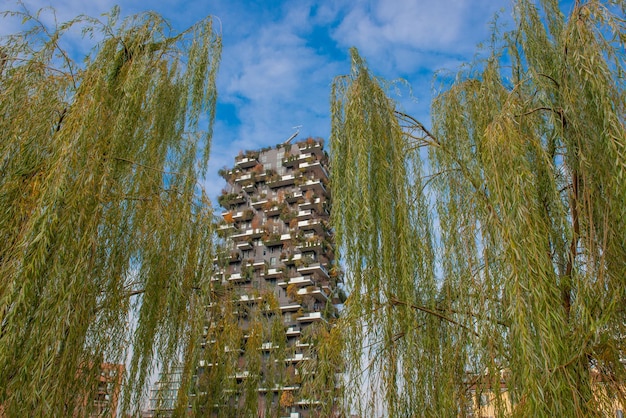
(280, 57)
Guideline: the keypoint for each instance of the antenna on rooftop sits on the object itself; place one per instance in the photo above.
(295, 134)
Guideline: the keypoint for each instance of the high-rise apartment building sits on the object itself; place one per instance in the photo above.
(275, 289)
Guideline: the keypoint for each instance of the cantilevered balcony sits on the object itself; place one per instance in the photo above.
(315, 268)
(315, 185)
(305, 214)
(291, 258)
(290, 308)
(246, 161)
(273, 273)
(318, 205)
(298, 281)
(237, 278)
(250, 233)
(311, 224)
(312, 147)
(285, 180)
(314, 291)
(294, 196)
(294, 160)
(297, 357)
(268, 346)
(292, 332)
(311, 317)
(276, 239)
(316, 168)
(244, 245)
(258, 204)
(311, 244)
(243, 215)
(272, 210)
(249, 298)
(243, 177)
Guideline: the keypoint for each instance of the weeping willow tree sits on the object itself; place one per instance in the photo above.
(486, 256)
(106, 236)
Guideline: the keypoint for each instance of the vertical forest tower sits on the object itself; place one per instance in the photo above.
(275, 290)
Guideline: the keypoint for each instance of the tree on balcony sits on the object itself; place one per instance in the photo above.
(524, 170)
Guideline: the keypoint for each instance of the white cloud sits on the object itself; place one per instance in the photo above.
(279, 58)
(419, 34)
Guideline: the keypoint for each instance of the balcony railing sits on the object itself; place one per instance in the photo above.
(315, 185)
(246, 162)
(300, 281)
(318, 294)
(285, 180)
(273, 273)
(314, 224)
(315, 268)
(294, 196)
(313, 147)
(250, 233)
(316, 168)
(310, 317)
(292, 331)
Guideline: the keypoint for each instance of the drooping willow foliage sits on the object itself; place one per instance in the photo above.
(499, 267)
(106, 236)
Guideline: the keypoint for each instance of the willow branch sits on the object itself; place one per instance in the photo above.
(395, 301)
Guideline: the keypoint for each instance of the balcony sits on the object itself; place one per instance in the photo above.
(242, 375)
(315, 185)
(250, 233)
(249, 187)
(286, 180)
(291, 259)
(268, 346)
(243, 177)
(317, 293)
(313, 243)
(246, 161)
(244, 215)
(273, 273)
(316, 168)
(297, 358)
(311, 224)
(294, 196)
(315, 268)
(290, 308)
(249, 299)
(226, 229)
(305, 214)
(237, 278)
(245, 245)
(312, 204)
(258, 204)
(292, 332)
(273, 210)
(311, 317)
(230, 199)
(300, 281)
(312, 147)
(276, 239)
(294, 160)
